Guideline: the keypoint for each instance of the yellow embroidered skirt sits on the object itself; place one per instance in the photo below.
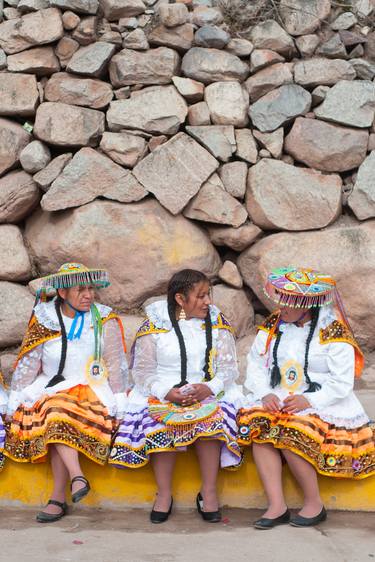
(333, 451)
(73, 417)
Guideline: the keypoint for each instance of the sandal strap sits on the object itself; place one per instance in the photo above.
(79, 479)
(55, 502)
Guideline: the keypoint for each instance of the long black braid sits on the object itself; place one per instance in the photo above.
(64, 344)
(275, 371)
(182, 282)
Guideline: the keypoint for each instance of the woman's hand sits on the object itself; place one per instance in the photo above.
(200, 392)
(271, 403)
(295, 403)
(174, 395)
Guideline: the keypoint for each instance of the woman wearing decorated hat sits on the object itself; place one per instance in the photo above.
(184, 368)
(69, 382)
(302, 407)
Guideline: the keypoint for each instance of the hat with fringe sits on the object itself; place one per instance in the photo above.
(300, 288)
(74, 274)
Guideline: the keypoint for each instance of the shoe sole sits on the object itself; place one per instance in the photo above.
(261, 528)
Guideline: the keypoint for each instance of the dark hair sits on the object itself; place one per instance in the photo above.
(64, 343)
(275, 371)
(183, 282)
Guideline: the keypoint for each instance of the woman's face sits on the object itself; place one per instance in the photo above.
(196, 303)
(292, 315)
(81, 298)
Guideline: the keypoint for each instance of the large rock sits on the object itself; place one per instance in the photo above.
(279, 107)
(38, 28)
(124, 148)
(67, 125)
(156, 110)
(215, 205)
(246, 146)
(236, 306)
(65, 88)
(45, 177)
(211, 37)
(180, 38)
(303, 16)
(228, 103)
(199, 114)
(116, 9)
(18, 196)
(91, 60)
(237, 239)
(16, 303)
(18, 94)
(172, 15)
(325, 146)
(322, 72)
(13, 138)
(268, 79)
(156, 66)
(125, 238)
(191, 90)
(270, 35)
(80, 6)
(273, 142)
(233, 175)
(261, 58)
(334, 251)
(230, 275)
(65, 49)
(90, 175)
(284, 197)
(213, 65)
(35, 156)
(362, 198)
(349, 103)
(218, 139)
(41, 61)
(161, 171)
(14, 259)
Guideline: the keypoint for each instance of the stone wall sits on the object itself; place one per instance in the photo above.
(146, 136)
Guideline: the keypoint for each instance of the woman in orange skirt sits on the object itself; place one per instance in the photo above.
(301, 406)
(68, 386)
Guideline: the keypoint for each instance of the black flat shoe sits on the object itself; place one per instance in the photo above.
(80, 494)
(266, 523)
(300, 521)
(43, 517)
(161, 516)
(210, 516)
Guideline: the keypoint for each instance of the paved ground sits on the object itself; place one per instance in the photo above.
(105, 536)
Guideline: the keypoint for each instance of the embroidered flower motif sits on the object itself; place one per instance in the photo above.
(356, 465)
(274, 432)
(331, 461)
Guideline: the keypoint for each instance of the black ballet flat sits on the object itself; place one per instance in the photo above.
(266, 523)
(300, 521)
(210, 516)
(161, 516)
(43, 517)
(80, 494)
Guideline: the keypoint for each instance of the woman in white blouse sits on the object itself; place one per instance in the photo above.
(184, 368)
(302, 407)
(69, 384)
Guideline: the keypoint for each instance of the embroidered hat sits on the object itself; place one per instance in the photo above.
(300, 288)
(73, 274)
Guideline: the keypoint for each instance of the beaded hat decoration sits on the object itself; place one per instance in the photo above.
(73, 274)
(300, 288)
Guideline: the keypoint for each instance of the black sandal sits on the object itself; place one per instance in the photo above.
(43, 517)
(210, 516)
(80, 494)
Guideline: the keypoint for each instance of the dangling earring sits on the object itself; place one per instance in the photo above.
(182, 315)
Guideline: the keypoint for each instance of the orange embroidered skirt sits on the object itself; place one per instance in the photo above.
(73, 417)
(332, 450)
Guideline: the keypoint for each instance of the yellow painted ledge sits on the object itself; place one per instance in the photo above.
(26, 484)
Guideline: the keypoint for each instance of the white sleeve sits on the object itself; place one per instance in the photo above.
(28, 368)
(226, 363)
(117, 366)
(340, 380)
(145, 368)
(257, 372)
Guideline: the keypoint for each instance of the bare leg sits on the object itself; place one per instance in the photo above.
(269, 466)
(60, 479)
(307, 478)
(70, 458)
(208, 452)
(163, 467)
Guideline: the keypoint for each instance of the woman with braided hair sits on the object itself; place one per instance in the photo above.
(184, 368)
(69, 384)
(301, 406)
